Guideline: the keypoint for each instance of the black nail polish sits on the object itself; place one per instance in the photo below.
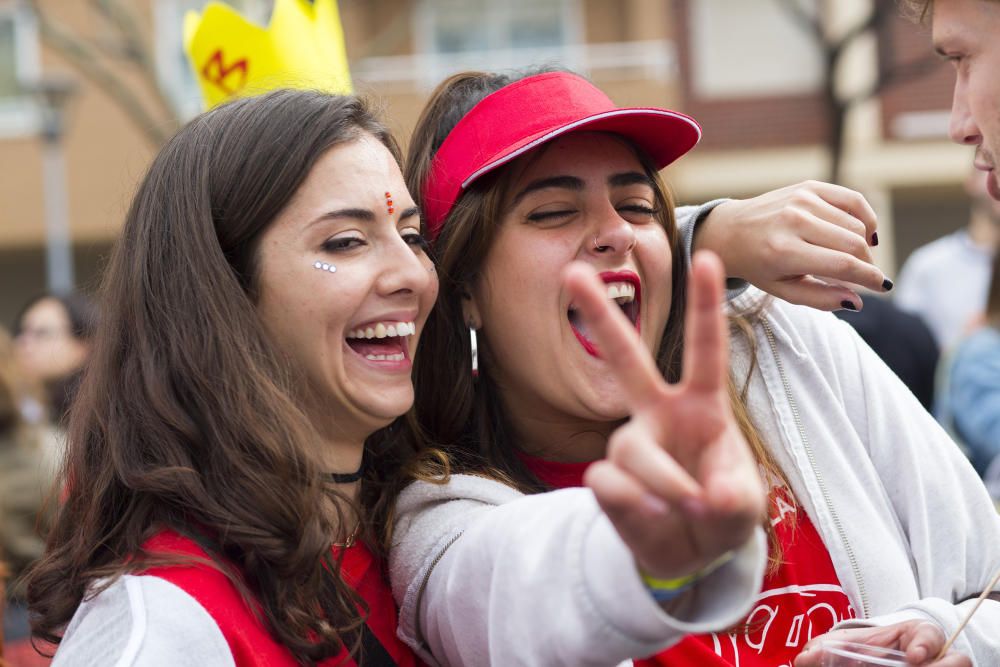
(887, 284)
(847, 305)
(874, 239)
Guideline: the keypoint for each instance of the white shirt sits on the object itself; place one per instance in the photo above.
(945, 283)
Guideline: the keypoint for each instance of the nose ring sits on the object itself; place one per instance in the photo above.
(598, 247)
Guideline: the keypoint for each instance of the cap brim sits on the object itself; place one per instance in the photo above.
(663, 134)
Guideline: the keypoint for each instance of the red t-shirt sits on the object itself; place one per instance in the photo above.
(249, 640)
(800, 600)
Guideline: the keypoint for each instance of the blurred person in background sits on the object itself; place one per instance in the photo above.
(902, 340)
(52, 334)
(945, 281)
(24, 481)
(972, 397)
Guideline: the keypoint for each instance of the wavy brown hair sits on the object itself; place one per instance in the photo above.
(469, 421)
(186, 417)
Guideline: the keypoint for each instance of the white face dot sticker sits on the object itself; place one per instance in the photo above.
(323, 266)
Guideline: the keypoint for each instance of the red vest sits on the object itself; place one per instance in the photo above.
(249, 640)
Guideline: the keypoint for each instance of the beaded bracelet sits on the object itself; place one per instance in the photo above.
(665, 590)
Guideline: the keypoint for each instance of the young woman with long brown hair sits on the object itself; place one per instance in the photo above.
(875, 518)
(222, 483)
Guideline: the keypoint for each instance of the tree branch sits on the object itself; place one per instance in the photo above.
(82, 58)
(137, 50)
(811, 22)
(871, 22)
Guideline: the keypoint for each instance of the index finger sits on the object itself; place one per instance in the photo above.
(617, 340)
(706, 342)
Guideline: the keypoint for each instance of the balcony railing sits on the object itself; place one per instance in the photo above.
(653, 59)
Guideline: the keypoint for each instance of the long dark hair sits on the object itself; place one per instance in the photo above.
(469, 422)
(186, 417)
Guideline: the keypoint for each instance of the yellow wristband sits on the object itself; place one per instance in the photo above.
(658, 584)
(664, 590)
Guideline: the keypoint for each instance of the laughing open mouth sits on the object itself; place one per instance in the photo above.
(625, 290)
(382, 341)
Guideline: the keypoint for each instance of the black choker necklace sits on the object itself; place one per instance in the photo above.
(347, 477)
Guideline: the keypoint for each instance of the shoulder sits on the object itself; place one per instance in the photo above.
(928, 257)
(429, 513)
(985, 340)
(978, 354)
(146, 621)
(456, 487)
(805, 330)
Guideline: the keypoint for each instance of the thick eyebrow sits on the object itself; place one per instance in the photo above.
(363, 214)
(566, 182)
(630, 178)
(409, 212)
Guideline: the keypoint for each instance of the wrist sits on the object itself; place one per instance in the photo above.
(667, 589)
(710, 230)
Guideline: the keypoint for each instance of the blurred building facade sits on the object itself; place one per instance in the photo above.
(744, 68)
(752, 73)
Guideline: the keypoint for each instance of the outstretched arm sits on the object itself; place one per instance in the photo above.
(486, 576)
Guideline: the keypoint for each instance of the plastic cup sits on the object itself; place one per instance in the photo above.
(851, 654)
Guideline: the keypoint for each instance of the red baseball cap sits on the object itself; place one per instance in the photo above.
(531, 111)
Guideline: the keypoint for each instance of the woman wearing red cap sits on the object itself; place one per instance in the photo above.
(873, 519)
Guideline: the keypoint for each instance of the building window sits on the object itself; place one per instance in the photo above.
(19, 67)
(750, 49)
(459, 26)
(466, 34)
(171, 61)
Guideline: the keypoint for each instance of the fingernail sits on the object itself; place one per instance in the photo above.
(653, 506)
(847, 305)
(887, 284)
(874, 239)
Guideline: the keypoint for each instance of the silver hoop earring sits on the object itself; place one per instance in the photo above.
(475, 351)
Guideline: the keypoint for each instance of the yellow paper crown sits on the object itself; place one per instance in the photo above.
(303, 47)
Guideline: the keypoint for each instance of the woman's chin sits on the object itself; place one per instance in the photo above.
(607, 407)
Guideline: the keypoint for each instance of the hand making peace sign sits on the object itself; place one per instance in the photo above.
(679, 483)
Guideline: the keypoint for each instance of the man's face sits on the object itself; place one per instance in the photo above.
(967, 33)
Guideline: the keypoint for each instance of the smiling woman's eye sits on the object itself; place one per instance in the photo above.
(415, 239)
(550, 216)
(341, 243)
(637, 210)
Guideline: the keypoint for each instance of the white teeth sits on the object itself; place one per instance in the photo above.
(384, 330)
(622, 292)
(385, 357)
